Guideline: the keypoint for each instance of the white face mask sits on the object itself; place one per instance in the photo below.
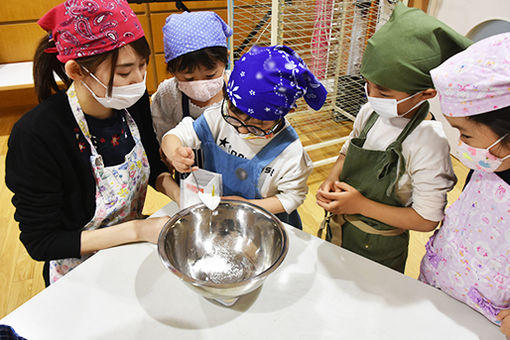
(201, 90)
(387, 107)
(122, 96)
(479, 159)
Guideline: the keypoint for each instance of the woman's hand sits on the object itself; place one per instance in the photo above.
(504, 317)
(148, 229)
(183, 159)
(345, 199)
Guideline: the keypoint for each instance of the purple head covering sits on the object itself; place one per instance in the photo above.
(188, 32)
(476, 80)
(266, 82)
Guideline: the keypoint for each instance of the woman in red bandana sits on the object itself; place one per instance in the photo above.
(81, 160)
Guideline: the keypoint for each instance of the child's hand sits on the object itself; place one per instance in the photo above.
(504, 317)
(183, 159)
(344, 200)
(326, 186)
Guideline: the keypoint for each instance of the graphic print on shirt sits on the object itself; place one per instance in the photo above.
(225, 145)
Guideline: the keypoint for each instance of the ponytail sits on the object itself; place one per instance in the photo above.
(45, 64)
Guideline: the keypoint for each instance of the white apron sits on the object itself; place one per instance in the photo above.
(120, 189)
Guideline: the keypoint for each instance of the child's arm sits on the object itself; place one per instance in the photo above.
(271, 204)
(348, 200)
(166, 185)
(504, 317)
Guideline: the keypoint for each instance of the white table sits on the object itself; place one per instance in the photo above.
(320, 291)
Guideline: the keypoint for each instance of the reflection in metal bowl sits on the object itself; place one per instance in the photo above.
(225, 253)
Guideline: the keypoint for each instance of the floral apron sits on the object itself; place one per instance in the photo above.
(469, 256)
(120, 189)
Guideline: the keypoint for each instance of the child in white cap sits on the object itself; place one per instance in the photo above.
(469, 256)
(196, 55)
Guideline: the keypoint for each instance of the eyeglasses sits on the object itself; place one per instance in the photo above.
(254, 130)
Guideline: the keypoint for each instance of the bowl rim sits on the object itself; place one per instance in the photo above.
(200, 283)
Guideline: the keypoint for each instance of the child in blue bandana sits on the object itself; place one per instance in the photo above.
(247, 139)
(196, 55)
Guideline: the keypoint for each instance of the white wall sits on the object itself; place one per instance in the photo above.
(462, 16)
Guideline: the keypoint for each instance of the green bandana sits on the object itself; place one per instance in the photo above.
(402, 52)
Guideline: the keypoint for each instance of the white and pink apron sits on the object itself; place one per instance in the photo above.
(469, 256)
(120, 189)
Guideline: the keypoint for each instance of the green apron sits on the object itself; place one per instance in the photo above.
(375, 174)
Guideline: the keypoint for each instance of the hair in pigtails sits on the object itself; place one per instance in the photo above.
(45, 64)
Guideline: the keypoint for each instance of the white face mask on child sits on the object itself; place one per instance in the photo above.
(201, 90)
(122, 96)
(479, 159)
(387, 107)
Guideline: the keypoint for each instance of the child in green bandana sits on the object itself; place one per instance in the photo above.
(393, 173)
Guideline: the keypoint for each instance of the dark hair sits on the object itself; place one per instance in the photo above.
(497, 120)
(207, 57)
(47, 63)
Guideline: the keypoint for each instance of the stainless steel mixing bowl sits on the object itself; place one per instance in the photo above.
(225, 253)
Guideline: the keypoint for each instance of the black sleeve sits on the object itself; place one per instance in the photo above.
(142, 115)
(33, 174)
(468, 178)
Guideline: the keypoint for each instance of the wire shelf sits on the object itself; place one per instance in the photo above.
(330, 36)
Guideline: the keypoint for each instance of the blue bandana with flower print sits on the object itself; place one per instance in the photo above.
(266, 82)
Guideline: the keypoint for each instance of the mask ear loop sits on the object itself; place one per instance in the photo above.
(94, 77)
(495, 143)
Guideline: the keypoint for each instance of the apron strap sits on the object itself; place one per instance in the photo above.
(185, 105)
(365, 227)
(202, 130)
(393, 153)
(368, 125)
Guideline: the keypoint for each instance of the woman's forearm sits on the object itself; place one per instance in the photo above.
(102, 238)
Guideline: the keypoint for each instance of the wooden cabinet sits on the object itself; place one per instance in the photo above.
(20, 34)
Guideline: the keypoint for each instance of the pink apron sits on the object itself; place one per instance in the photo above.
(120, 189)
(469, 256)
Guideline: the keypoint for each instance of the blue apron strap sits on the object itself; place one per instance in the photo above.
(275, 147)
(202, 129)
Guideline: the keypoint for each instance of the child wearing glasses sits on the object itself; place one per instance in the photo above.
(247, 139)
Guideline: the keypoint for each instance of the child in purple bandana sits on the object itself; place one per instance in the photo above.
(248, 139)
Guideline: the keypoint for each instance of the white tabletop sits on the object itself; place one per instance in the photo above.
(320, 291)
